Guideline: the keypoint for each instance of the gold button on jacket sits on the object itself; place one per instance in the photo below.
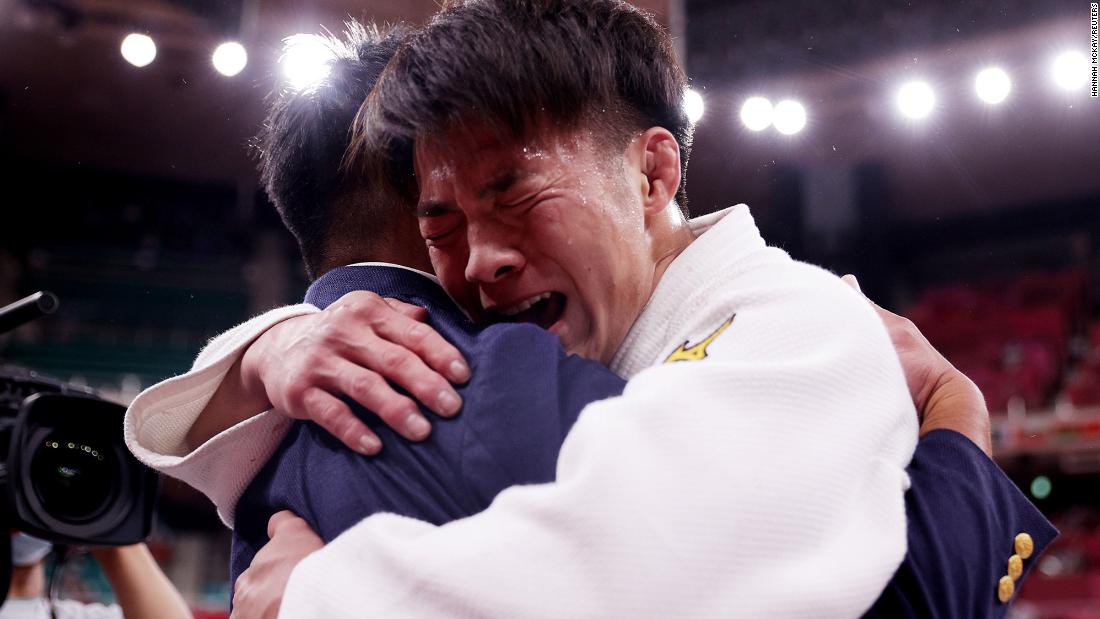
(1015, 567)
(1005, 588)
(1024, 545)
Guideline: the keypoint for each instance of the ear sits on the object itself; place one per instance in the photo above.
(660, 161)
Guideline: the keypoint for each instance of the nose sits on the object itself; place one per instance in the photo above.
(492, 255)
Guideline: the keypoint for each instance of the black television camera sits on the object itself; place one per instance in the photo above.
(65, 473)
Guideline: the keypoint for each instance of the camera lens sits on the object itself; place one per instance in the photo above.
(75, 480)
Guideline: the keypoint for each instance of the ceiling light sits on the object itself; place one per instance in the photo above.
(693, 105)
(307, 59)
(992, 85)
(757, 113)
(790, 117)
(1070, 70)
(138, 49)
(230, 58)
(916, 99)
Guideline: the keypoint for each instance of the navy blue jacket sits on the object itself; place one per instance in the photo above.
(523, 398)
(963, 515)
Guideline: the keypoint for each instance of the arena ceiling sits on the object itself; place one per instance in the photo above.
(67, 96)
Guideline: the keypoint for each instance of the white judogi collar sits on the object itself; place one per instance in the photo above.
(730, 234)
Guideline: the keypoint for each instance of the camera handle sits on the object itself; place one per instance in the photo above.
(27, 309)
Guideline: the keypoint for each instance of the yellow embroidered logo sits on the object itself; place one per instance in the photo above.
(698, 351)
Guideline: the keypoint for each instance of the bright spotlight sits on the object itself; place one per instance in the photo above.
(992, 85)
(138, 49)
(1070, 70)
(757, 113)
(693, 105)
(230, 58)
(916, 99)
(790, 117)
(307, 59)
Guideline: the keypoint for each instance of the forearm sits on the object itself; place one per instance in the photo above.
(239, 396)
(649, 527)
(159, 422)
(141, 588)
(963, 515)
(220, 390)
(956, 404)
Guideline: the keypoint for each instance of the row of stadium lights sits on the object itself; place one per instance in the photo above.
(229, 58)
(915, 99)
(306, 59)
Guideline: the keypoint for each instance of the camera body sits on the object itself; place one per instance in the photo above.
(71, 479)
(67, 475)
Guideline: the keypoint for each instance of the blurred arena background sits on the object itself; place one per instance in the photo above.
(948, 153)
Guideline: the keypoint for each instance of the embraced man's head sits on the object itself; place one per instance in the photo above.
(547, 140)
(337, 218)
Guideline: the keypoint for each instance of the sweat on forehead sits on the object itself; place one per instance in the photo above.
(499, 164)
(517, 65)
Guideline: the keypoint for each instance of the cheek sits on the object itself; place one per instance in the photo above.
(450, 267)
(449, 264)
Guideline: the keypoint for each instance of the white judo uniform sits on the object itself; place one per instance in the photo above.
(754, 466)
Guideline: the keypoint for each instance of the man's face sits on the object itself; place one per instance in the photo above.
(549, 231)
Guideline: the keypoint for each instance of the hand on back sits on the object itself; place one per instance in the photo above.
(306, 364)
(944, 397)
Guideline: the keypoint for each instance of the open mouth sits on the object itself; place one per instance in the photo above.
(543, 310)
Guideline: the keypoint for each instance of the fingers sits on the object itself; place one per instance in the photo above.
(406, 369)
(356, 348)
(886, 315)
(412, 311)
(898, 326)
(337, 418)
(280, 519)
(397, 327)
(320, 401)
(397, 411)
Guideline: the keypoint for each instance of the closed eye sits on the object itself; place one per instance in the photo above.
(439, 227)
(439, 237)
(527, 202)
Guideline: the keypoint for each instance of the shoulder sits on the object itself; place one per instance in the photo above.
(513, 349)
(783, 335)
(779, 309)
(515, 334)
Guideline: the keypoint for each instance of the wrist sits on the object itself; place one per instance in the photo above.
(957, 404)
(239, 396)
(251, 369)
(109, 556)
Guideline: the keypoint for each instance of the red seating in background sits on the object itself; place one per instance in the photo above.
(1066, 583)
(1012, 336)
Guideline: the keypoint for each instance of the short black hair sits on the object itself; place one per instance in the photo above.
(521, 65)
(306, 133)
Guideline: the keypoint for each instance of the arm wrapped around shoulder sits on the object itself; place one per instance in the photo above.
(766, 478)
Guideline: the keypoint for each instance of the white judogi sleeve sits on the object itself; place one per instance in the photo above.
(765, 479)
(158, 420)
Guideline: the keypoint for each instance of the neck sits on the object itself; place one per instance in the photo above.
(28, 581)
(410, 254)
(669, 235)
